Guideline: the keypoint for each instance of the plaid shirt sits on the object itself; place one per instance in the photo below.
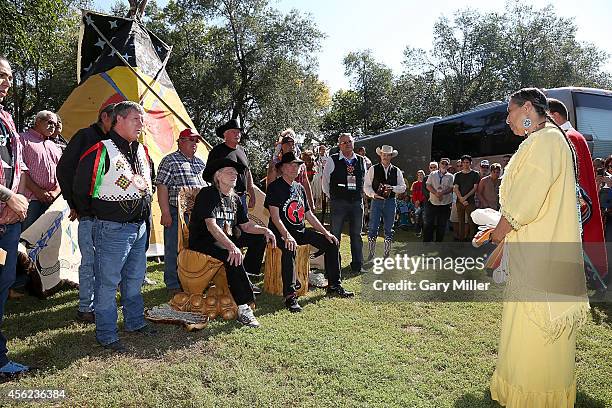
(176, 171)
(40, 156)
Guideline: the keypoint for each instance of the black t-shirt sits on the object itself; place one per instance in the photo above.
(210, 203)
(466, 182)
(221, 151)
(291, 202)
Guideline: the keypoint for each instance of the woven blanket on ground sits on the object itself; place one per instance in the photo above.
(165, 314)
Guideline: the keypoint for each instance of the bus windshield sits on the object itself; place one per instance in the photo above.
(594, 117)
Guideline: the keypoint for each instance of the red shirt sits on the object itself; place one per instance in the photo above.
(593, 230)
(417, 192)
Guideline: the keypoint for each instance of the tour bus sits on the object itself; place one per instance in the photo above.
(482, 132)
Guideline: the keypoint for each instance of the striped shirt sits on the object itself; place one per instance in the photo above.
(176, 171)
(40, 156)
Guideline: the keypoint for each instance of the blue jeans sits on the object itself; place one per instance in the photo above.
(86, 269)
(120, 260)
(8, 241)
(171, 251)
(35, 210)
(386, 210)
(352, 211)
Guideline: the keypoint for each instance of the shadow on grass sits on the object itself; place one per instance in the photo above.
(472, 400)
(49, 337)
(601, 313)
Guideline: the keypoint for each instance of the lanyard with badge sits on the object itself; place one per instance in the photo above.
(441, 178)
(351, 179)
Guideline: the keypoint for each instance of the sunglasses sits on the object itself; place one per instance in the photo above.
(192, 139)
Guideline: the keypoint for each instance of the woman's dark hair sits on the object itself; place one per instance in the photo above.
(540, 104)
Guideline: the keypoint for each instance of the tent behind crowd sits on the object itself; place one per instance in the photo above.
(119, 59)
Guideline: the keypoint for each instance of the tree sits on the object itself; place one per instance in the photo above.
(40, 40)
(373, 82)
(479, 57)
(344, 115)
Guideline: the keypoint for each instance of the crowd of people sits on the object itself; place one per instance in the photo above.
(108, 180)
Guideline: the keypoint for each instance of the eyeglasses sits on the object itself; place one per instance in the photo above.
(51, 123)
(347, 142)
(192, 139)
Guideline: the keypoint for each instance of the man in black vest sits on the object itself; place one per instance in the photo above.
(342, 182)
(382, 182)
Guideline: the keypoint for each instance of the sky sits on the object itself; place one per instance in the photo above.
(387, 27)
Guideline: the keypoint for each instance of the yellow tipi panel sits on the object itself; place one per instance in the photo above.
(119, 59)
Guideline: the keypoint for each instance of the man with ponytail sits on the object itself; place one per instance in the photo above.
(546, 298)
(219, 227)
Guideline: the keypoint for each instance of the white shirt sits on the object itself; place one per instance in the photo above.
(367, 182)
(567, 126)
(441, 182)
(329, 168)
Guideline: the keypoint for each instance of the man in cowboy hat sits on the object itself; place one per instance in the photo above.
(382, 182)
(288, 206)
(285, 145)
(219, 227)
(181, 168)
(230, 132)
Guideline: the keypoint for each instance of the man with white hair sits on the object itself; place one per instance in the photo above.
(41, 155)
(219, 227)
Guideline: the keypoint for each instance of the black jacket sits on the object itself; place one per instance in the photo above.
(124, 211)
(67, 165)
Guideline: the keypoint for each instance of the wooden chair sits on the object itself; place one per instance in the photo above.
(273, 281)
(202, 277)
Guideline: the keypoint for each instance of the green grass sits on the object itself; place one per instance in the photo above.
(336, 353)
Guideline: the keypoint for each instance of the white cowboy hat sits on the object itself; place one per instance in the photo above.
(386, 149)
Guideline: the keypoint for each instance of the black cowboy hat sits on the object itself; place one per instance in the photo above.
(288, 157)
(230, 124)
(213, 166)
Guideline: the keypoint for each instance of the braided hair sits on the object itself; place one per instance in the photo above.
(540, 104)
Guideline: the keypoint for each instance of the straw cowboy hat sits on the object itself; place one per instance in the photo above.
(386, 149)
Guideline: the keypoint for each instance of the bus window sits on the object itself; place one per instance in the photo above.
(594, 117)
(478, 133)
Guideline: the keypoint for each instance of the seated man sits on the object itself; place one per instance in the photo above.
(213, 230)
(286, 201)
